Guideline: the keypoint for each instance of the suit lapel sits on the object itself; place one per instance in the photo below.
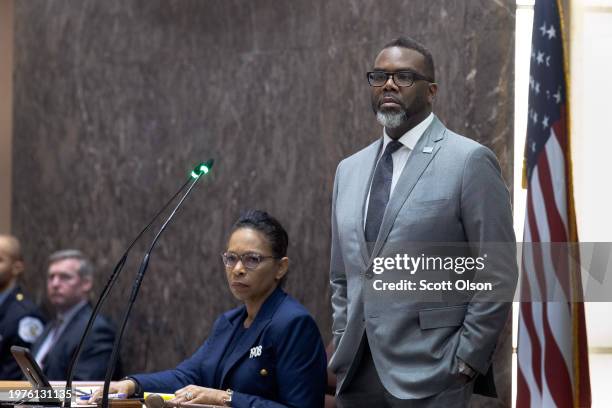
(365, 173)
(85, 308)
(83, 313)
(6, 303)
(424, 152)
(68, 338)
(41, 339)
(226, 332)
(252, 334)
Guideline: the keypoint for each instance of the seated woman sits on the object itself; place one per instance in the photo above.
(266, 353)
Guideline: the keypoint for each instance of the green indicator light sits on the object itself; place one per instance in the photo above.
(202, 168)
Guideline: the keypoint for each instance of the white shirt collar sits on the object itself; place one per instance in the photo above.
(411, 137)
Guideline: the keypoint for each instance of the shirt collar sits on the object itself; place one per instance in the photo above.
(69, 314)
(6, 293)
(411, 137)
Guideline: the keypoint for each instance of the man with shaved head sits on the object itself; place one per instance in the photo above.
(20, 320)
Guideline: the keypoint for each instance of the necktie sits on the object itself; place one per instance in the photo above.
(380, 191)
(49, 341)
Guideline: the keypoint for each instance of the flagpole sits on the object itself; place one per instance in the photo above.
(576, 286)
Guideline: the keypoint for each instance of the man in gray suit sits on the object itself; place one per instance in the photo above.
(419, 183)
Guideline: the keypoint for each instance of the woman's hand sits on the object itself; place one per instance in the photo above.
(200, 395)
(126, 387)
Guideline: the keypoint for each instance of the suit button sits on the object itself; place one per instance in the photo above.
(263, 372)
(369, 275)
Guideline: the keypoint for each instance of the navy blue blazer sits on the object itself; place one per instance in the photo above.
(279, 361)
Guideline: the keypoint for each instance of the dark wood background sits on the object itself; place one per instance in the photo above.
(116, 100)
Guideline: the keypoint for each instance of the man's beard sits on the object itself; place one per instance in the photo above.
(391, 119)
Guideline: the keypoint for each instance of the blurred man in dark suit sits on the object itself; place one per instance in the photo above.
(69, 281)
(20, 321)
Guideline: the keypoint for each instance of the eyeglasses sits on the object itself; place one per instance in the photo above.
(250, 260)
(400, 78)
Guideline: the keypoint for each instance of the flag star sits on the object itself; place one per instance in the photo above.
(548, 60)
(557, 96)
(545, 122)
(551, 32)
(531, 82)
(533, 54)
(533, 146)
(540, 57)
(535, 118)
(543, 28)
(537, 88)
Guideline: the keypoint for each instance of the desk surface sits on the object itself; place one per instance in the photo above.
(86, 386)
(25, 385)
(13, 391)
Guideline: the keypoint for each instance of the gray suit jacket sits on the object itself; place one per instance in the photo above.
(450, 190)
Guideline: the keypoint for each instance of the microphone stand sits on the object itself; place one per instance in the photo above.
(113, 279)
(194, 178)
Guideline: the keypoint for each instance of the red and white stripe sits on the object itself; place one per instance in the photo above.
(546, 341)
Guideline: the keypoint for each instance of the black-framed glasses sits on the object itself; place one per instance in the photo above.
(402, 78)
(250, 260)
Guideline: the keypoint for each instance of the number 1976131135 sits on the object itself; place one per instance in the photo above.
(46, 393)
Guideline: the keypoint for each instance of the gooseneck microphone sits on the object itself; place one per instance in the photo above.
(195, 176)
(199, 170)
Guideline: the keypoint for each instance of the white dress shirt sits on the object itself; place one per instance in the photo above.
(400, 156)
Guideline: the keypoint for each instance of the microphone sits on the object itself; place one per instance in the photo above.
(200, 170)
(156, 401)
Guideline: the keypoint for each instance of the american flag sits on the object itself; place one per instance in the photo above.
(553, 366)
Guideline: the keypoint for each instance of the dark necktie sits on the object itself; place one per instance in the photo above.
(380, 191)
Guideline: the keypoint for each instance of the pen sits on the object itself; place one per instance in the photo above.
(81, 392)
(121, 395)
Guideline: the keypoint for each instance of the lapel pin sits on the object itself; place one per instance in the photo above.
(427, 149)
(263, 372)
(255, 352)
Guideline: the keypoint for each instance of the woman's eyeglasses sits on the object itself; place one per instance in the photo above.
(250, 260)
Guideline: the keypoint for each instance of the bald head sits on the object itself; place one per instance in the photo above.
(11, 261)
(11, 247)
